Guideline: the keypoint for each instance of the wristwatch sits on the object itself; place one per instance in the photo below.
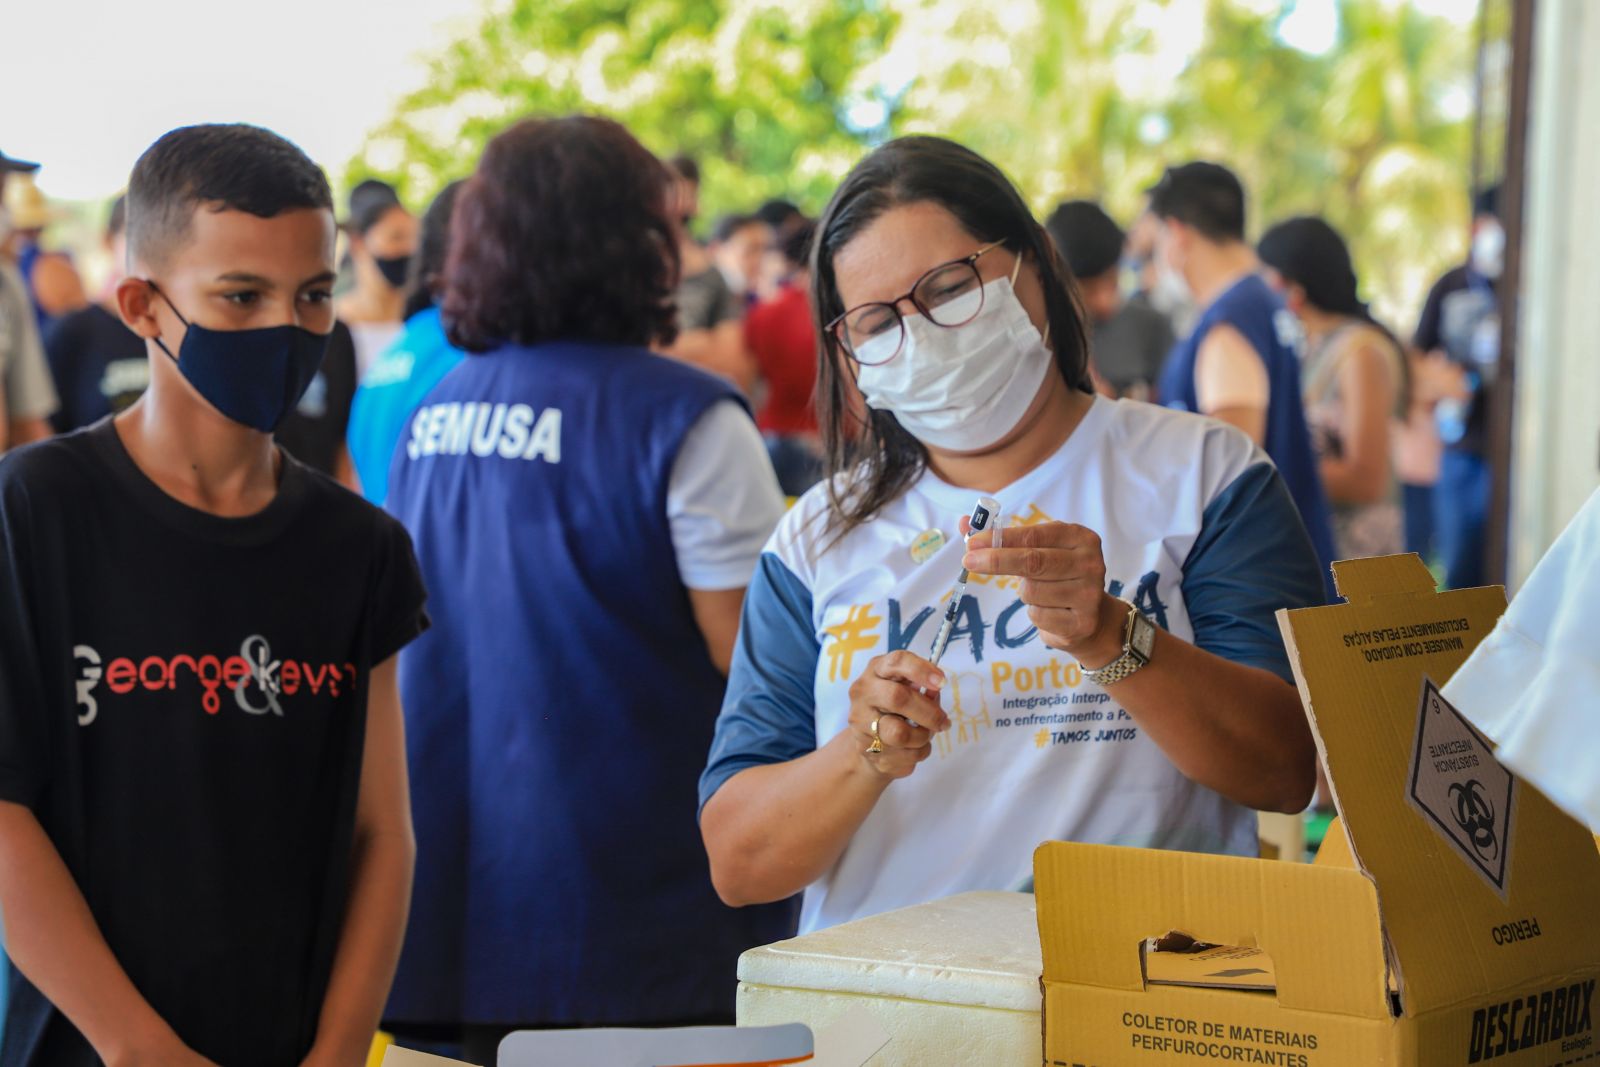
(1138, 642)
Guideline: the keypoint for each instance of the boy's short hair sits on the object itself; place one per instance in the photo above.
(1206, 196)
(234, 167)
(1087, 238)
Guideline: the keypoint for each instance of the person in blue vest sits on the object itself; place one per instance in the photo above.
(587, 515)
(1241, 361)
(411, 366)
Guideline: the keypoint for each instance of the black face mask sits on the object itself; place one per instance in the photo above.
(255, 377)
(394, 269)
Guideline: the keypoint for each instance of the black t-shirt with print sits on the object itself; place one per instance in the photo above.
(183, 706)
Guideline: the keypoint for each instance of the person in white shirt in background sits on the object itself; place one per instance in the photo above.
(850, 768)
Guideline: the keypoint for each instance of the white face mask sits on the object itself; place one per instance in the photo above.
(1171, 295)
(962, 388)
(1489, 250)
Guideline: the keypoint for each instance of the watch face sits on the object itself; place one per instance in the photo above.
(1144, 637)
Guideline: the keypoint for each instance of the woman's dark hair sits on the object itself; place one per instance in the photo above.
(562, 232)
(426, 275)
(370, 201)
(882, 458)
(1307, 251)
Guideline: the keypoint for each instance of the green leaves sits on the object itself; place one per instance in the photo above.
(1072, 97)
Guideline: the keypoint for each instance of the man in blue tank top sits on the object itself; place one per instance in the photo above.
(1241, 361)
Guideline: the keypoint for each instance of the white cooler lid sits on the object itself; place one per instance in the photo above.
(975, 950)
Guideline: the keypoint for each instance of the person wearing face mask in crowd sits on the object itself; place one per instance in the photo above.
(1240, 362)
(1161, 291)
(783, 217)
(1130, 340)
(205, 836)
(408, 369)
(783, 342)
(1115, 673)
(1458, 337)
(710, 332)
(739, 245)
(383, 238)
(1354, 375)
(27, 395)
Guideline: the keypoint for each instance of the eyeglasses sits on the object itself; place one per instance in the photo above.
(874, 333)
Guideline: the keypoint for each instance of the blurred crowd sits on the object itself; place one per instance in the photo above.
(1396, 420)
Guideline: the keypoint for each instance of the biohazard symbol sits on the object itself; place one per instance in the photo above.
(1474, 813)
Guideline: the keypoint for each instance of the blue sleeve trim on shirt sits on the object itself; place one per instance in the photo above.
(1252, 558)
(769, 712)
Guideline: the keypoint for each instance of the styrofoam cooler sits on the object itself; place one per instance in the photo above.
(954, 982)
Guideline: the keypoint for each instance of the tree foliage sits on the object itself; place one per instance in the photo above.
(1072, 97)
(756, 90)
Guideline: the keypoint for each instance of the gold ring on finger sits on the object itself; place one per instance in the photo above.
(877, 742)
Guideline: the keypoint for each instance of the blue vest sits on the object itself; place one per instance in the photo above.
(1251, 307)
(560, 710)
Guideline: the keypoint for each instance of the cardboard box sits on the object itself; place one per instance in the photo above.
(1451, 921)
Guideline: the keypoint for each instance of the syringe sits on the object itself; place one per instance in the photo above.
(987, 510)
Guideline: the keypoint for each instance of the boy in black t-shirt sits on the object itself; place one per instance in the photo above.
(205, 835)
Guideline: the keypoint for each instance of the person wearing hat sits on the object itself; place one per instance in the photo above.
(27, 396)
(54, 287)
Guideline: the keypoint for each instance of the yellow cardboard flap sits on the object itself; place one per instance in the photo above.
(1468, 861)
(1098, 904)
(1361, 581)
(1335, 850)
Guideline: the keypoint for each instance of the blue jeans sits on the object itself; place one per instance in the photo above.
(1417, 501)
(1461, 518)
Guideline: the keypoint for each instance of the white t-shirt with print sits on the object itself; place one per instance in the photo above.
(1035, 751)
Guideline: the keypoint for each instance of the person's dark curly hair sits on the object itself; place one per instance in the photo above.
(562, 233)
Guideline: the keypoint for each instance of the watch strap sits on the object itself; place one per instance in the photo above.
(1124, 665)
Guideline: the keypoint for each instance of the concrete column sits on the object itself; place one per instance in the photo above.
(1556, 436)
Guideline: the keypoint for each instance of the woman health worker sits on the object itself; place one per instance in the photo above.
(1115, 674)
(587, 515)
